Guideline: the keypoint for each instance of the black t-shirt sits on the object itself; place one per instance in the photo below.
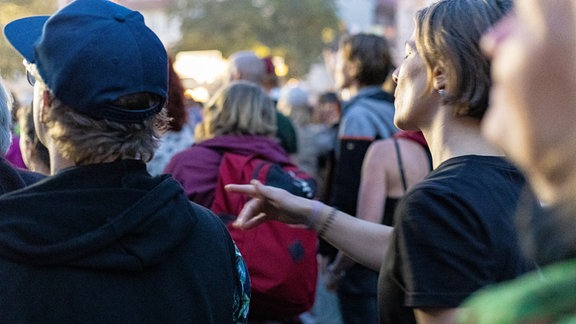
(454, 234)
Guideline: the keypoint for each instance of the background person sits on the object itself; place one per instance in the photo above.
(247, 66)
(11, 178)
(391, 167)
(363, 64)
(180, 134)
(239, 121)
(34, 153)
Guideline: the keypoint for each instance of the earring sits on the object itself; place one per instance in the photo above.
(442, 92)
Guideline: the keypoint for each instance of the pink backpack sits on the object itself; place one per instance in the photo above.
(281, 258)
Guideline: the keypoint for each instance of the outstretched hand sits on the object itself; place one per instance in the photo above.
(269, 203)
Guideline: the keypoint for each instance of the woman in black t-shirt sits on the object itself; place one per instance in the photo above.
(454, 230)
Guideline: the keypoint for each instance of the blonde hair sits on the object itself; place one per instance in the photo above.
(240, 108)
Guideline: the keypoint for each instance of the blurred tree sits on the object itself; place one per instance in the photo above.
(295, 30)
(11, 62)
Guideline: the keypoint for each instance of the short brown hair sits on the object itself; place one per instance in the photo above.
(449, 31)
(371, 56)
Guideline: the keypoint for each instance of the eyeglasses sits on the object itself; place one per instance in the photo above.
(30, 77)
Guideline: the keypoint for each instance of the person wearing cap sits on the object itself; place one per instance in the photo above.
(11, 178)
(101, 240)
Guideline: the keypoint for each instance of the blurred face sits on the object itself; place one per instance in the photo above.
(533, 97)
(413, 101)
(327, 113)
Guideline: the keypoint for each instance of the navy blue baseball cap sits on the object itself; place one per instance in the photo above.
(93, 52)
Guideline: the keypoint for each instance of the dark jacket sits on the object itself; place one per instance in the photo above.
(12, 178)
(107, 243)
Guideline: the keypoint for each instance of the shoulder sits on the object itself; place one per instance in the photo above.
(488, 176)
(211, 223)
(381, 153)
(30, 177)
(194, 155)
(12, 178)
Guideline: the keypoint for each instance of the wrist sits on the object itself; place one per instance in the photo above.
(336, 273)
(314, 214)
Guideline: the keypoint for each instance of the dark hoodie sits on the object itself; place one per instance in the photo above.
(196, 168)
(12, 178)
(107, 243)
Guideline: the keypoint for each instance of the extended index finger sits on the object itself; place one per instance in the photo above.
(246, 189)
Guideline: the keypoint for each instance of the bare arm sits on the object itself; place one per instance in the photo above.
(355, 237)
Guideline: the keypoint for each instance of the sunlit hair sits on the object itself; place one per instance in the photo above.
(5, 118)
(370, 54)
(448, 32)
(86, 140)
(240, 108)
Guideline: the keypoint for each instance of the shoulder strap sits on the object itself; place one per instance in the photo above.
(400, 164)
(429, 155)
(234, 168)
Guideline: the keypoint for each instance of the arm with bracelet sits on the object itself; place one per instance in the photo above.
(363, 241)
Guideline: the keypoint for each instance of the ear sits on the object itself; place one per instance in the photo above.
(46, 103)
(439, 77)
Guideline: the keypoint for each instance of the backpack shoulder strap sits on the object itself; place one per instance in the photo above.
(234, 168)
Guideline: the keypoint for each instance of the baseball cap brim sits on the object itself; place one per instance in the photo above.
(24, 33)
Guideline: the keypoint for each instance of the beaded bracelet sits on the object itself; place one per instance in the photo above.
(328, 222)
(316, 207)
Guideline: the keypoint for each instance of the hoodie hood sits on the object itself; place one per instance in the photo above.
(105, 216)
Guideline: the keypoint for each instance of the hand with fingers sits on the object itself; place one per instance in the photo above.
(270, 203)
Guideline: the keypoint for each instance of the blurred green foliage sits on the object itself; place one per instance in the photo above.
(297, 30)
(11, 62)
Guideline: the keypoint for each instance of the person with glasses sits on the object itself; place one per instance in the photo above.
(11, 178)
(101, 240)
